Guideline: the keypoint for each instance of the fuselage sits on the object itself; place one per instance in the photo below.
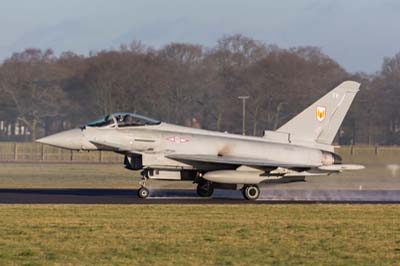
(157, 141)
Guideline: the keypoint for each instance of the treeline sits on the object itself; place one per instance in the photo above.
(193, 85)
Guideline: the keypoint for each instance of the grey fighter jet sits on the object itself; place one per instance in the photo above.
(300, 148)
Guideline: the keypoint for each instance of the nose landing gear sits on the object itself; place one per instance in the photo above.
(143, 192)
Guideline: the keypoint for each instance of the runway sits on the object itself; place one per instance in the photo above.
(184, 196)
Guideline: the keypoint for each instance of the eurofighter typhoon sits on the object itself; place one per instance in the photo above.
(216, 160)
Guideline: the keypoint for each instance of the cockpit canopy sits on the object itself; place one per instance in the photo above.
(123, 120)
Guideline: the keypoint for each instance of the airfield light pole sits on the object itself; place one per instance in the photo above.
(244, 98)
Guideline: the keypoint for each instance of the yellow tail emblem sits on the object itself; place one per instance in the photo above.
(321, 113)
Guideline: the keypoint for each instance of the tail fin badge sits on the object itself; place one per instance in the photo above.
(321, 113)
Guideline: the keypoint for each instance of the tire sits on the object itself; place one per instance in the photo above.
(143, 193)
(205, 189)
(251, 192)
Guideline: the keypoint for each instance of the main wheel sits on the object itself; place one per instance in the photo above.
(251, 192)
(205, 189)
(143, 192)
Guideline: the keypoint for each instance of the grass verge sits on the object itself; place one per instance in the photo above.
(55, 175)
(199, 235)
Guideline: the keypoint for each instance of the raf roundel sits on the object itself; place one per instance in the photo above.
(171, 139)
(321, 113)
(178, 140)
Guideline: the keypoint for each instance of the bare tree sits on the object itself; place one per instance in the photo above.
(32, 83)
(183, 82)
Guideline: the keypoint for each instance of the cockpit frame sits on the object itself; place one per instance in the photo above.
(121, 120)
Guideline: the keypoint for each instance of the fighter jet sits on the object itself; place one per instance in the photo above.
(216, 160)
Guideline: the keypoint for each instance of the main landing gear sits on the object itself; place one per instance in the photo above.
(251, 192)
(205, 189)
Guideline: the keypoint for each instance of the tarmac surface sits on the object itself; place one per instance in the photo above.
(185, 196)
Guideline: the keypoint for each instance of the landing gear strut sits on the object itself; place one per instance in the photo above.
(251, 192)
(143, 192)
(205, 188)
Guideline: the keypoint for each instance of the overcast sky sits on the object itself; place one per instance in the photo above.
(356, 33)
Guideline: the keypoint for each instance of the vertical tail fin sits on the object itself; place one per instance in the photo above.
(321, 121)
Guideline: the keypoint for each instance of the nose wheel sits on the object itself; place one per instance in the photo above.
(251, 192)
(143, 192)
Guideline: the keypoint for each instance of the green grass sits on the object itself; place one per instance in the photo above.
(184, 235)
(200, 235)
(36, 175)
(67, 175)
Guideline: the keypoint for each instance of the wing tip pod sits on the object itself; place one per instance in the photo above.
(341, 167)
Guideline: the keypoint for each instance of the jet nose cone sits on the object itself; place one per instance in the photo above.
(70, 139)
